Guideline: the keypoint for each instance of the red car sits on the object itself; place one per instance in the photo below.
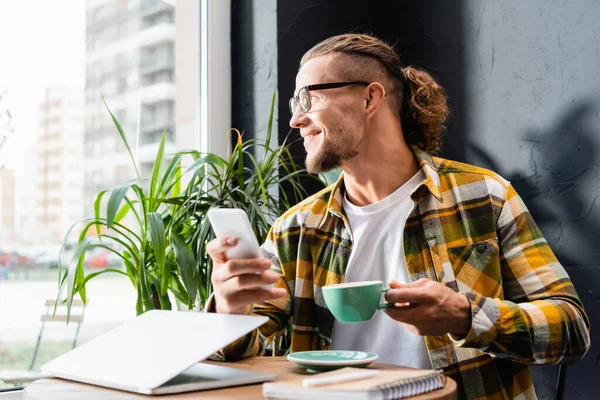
(5, 258)
(99, 260)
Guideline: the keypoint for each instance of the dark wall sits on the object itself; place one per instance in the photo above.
(254, 65)
(525, 97)
(533, 97)
(422, 33)
(243, 66)
(300, 25)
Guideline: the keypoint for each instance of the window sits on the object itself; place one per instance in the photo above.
(75, 152)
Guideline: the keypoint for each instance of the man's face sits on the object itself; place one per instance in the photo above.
(333, 127)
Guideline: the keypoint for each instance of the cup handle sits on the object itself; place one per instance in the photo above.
(385, 305)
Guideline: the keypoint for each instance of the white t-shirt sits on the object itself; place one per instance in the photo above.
(378, 254)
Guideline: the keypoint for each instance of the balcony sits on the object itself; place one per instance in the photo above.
(164, 91)
(152, 131)
(159, 33)
(163, 32)
(151, 8)
(150, 65)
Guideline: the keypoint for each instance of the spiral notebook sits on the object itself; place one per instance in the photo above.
(388, 384)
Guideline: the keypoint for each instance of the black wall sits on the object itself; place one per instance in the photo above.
(301, 24)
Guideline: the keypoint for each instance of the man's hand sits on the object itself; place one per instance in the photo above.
(237, 283)
(432, 310)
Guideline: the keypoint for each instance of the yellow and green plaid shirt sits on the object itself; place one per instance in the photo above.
(468, 229)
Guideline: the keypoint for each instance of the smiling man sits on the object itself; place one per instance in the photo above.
(478, 293)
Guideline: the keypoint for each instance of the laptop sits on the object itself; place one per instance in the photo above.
(158, 352)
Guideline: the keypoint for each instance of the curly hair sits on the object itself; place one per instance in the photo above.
(419, 100)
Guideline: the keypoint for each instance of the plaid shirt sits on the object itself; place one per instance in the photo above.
(469, 230)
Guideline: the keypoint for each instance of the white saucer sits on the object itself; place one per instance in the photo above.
(326, 360)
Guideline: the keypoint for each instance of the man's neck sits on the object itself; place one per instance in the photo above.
(378, 171)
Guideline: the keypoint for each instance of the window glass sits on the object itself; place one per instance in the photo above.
(59, 148)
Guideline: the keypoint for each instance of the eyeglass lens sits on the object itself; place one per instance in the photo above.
(303, 99)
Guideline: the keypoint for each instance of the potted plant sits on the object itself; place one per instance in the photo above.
(164, 250)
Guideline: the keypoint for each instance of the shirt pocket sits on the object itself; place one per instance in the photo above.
(471, 268)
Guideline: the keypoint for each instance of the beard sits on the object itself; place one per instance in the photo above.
(332, 153)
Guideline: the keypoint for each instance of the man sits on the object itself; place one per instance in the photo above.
(478, 293)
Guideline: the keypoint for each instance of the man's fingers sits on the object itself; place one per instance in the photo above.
(238, 267)
(407, 295)
(229, 269)
(396, 285)
(255, 296)
(216, 248)
(421, 282)
(252, 281)
(405, 314)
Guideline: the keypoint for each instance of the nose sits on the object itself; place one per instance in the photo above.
(298, 119)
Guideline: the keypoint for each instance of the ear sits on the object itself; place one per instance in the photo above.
(375, 96)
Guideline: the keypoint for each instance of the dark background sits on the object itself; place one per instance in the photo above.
(524, 93)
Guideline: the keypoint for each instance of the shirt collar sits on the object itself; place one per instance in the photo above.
(431, 182)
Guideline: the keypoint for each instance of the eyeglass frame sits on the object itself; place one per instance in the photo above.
(319, 86)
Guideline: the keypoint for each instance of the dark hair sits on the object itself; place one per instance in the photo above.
(420, 100)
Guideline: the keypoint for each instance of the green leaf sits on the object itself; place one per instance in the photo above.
(114, 202)
(261, 182)
(122, 212)
(240, 159)
(177, 185)
(154, 181)
(118, 228)
(165, 303)
(132, 208)
(171, 176)
(131, 251)
(62, 276)
(143, 200)
(79, 288)
(130, 268)
(204, 235)
(139, 303)
(123, 137)
(180, 292)
(97, 203)
(209, 159)
(270, 124)
(95, 274)
(144, 287)
(187, 265)
(157, 238)
(75, 265)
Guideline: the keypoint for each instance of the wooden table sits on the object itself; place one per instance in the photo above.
(58, 389)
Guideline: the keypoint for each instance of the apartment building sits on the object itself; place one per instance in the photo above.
(130, 52)
(58, 201)
(7, 207)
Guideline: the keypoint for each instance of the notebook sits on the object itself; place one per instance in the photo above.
(387, 384)
(158, 352)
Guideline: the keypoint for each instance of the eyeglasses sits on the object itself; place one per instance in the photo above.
(303, 100)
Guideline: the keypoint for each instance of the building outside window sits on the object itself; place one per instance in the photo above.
(59, 147)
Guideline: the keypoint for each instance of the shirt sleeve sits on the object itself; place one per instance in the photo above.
(278, 311)
(541, 319)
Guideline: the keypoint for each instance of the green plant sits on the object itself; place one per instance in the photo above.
(165, 251)
(244, 181)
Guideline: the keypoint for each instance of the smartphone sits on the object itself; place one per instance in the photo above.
(234, 222)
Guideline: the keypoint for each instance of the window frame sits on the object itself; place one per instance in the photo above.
(203, 75)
